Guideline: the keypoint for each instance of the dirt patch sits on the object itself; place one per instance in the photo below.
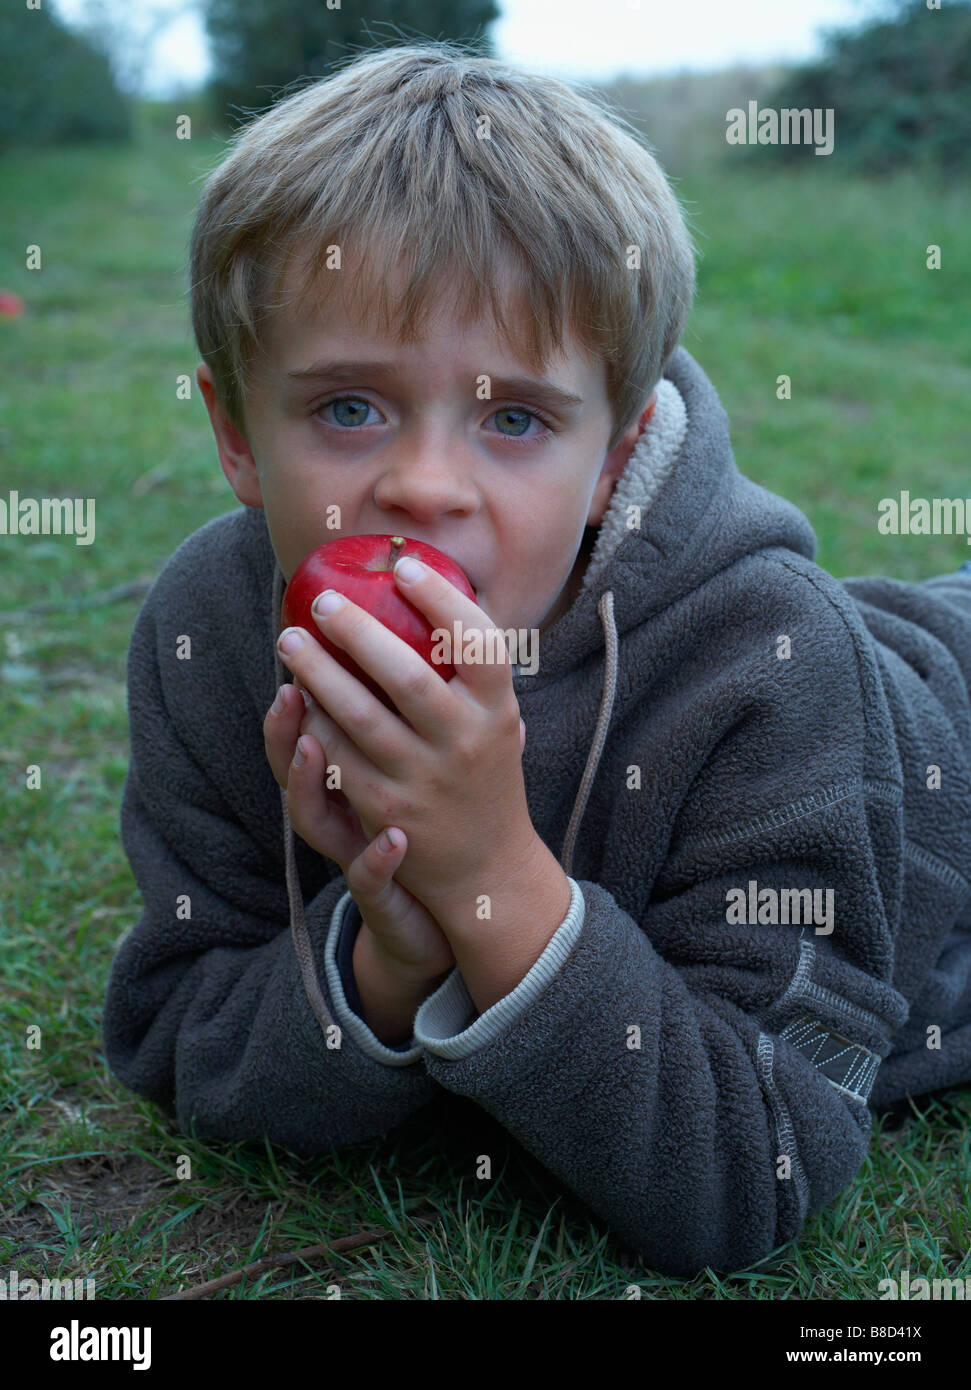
(850, 407)
(104, 1193)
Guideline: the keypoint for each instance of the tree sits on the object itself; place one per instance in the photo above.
(898, 87)
(260, 47)
(56, 86)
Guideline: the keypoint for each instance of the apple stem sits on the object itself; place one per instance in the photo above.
(397, 546)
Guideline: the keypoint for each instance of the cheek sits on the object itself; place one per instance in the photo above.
(292, 537)
(296, 499)
(546, 548)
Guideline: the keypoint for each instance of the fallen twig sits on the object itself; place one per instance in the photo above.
(309, 1252)
(120, 591)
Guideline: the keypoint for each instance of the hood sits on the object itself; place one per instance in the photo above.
(680, 513)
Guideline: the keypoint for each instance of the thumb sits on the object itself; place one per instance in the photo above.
(522, 735)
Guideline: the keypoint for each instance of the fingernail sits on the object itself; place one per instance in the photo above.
(389, 840)
(300, 753)
(408, 569)
(327, 602)
(277, 705)
(290, 641)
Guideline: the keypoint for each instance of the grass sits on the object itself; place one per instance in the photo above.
(809, 275)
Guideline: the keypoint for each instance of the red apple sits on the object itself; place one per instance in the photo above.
(11, 305)
(360, 568)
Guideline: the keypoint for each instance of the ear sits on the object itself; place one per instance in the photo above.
(615, 462)
(235, 457)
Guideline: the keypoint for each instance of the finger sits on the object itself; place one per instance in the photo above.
(371, 725)
(313, 815)
(281, 729)
(522, 735)
(370, 877)
(444, 606)
(395, 668)
(339, 752)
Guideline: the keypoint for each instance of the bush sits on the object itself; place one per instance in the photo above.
(55, 86)
(264, 52)
(898, 87)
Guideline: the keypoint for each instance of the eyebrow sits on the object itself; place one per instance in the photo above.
(542, 391)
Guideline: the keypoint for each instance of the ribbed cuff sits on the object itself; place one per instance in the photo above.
(447, 1024)
(338, 967)
(345, 956)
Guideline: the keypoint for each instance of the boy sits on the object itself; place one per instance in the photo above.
(674, 908)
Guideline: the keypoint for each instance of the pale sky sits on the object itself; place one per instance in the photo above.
(564, 38)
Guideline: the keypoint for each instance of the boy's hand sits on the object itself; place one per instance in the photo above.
(407, 938)
(451, 777)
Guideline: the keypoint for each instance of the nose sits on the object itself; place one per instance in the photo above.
(428, 477)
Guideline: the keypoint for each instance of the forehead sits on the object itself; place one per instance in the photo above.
(320, 304)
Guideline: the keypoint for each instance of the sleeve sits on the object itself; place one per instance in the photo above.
(205, 1010)
(700, 1081)
(928, 625)
(350, 1010)
(703, 1136)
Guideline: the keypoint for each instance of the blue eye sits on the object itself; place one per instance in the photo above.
(354, 416)
(351, 412)
(524, 417)
(518, 418)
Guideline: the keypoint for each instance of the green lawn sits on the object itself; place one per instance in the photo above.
(805, 275)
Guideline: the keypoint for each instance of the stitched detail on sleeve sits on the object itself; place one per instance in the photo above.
(935, 866)
(796, 810)
(849, 1067)
(785, 1134)
(802, 988)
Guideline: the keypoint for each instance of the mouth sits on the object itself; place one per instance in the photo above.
(454, 559)
(468, 574)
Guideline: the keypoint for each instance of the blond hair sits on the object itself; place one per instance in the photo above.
(387, 158)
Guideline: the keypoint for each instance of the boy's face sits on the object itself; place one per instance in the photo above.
(411, 449)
